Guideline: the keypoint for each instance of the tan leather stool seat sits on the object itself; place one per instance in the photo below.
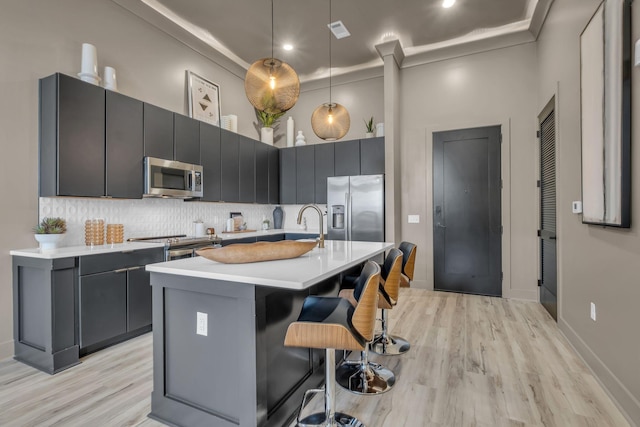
(334, 323)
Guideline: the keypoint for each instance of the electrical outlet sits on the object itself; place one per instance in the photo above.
(593, 312)
(413, 219)
(201, 323)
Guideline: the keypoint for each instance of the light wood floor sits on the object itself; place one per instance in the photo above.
(474, 361)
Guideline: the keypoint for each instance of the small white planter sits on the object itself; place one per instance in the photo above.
(369, 135)
(48, 241)
(266, 135)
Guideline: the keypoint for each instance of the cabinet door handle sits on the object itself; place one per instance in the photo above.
(121, 270)
(139, 267)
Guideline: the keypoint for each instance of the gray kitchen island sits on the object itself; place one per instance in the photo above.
(218, 335)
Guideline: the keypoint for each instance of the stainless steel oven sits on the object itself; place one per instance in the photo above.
(182, 246)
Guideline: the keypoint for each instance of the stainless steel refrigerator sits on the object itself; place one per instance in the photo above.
(355, 207)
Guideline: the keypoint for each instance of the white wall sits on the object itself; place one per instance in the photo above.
(595, 264)
(493, 88)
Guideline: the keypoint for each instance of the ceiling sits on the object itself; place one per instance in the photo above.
(241, 29)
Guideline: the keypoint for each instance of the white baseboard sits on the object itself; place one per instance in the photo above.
(621, 396)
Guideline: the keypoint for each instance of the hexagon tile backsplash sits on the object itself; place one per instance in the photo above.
(147, 217)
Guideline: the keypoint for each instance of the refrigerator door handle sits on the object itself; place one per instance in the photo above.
(350, 223)
(347, 219)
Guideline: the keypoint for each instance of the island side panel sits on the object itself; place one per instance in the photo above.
(203, 380)
(44, 313)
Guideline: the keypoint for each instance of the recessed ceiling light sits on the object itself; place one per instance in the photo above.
(448, 3)
(287, 47)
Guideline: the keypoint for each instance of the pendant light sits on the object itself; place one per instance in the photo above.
(330, 121)
(272, 85)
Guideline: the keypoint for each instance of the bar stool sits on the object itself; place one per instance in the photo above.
(408, 250)
(384, 343)
(362, 376)
(333, 323)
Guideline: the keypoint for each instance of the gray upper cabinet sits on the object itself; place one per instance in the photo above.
(229, 166)
(305, 174)
(124, 146)
(324, 168)
(262, 173)
(372, 156)
(72, 137)
(274, 175)
(186, 140)
(158, 132)
(288, 175)
(210, 158)
(247, 171)
(347, 158)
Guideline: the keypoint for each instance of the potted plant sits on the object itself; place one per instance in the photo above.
(268, 120)
(50, 232)
(370, 127)
(265, 224)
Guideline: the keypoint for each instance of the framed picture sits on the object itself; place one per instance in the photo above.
(203, 98)
(605, 99)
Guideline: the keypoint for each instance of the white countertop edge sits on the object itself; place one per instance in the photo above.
(171, 268)
(74, 251)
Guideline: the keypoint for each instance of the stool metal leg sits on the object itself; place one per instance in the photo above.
(364, 377)
(386, 344)
(329, 418)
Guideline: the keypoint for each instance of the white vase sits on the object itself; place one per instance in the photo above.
(266, 135)
(290, 131)
(380, 129)
(300, 139)
(48, 241)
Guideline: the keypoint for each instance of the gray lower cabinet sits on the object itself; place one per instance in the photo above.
(64, 308)
(115, 297)
(72, 137)
(103, 307)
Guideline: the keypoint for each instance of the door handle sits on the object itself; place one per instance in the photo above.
(440, 225)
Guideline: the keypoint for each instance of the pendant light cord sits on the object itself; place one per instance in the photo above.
(271, 29)
(330, 1)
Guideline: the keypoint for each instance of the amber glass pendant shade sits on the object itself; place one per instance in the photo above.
(330, 121)
(272, 85)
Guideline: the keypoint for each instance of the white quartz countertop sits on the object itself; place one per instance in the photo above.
(73, 251)
(294, 273)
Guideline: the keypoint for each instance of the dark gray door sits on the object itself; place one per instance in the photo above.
(547, 233)
(467, 224)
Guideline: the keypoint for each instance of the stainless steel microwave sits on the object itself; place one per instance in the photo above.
(170, 178)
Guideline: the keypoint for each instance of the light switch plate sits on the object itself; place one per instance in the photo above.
(576, 207)
(201, 323)
(413, 219)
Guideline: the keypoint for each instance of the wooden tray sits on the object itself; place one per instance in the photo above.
(241, 253)
(239, 231)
